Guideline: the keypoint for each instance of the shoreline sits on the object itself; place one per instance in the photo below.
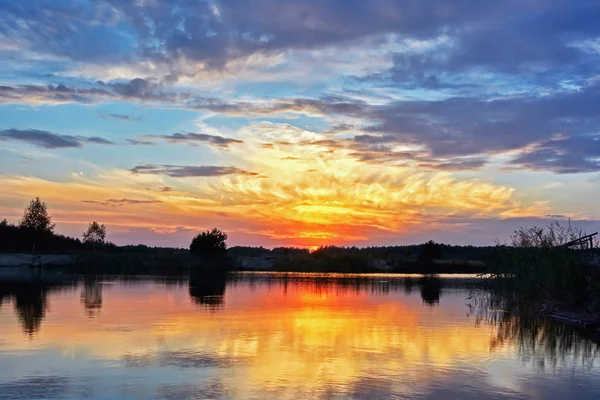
(180, 260)
(583, 320)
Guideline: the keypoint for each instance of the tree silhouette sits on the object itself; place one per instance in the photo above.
(95, 233)
(209, 243)
(36, 217)
(430, 251)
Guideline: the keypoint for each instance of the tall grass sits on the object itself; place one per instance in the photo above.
(536, 264)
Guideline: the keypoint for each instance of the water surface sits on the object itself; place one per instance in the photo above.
(278, 336)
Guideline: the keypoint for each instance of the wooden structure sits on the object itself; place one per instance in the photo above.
(583, 243)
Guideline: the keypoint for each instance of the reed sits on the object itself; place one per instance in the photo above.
(538, 265)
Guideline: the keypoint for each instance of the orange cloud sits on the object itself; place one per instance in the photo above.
(304, 192)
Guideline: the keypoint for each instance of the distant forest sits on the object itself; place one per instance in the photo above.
(448, 252)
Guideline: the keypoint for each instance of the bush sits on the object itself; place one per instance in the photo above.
(209, 243)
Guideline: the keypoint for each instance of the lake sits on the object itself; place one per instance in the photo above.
(279, 336)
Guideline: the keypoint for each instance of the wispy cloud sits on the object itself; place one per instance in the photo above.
(187, 171)
(138, 142)
(195, 138)
(120, 202)
(122, 117)
(49, 140)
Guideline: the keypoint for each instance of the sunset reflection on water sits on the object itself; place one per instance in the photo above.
(266, 336)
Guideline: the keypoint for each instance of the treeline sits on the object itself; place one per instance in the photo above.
(17, 238)
(35, 232)
(248, 251)
(426, 258)
(407, 252)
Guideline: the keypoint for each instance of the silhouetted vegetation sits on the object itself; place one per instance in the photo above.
(36, 218)
(326, 259)
(95, 234)
(16, 238)
(430, 251)
(403, 259)
(35, 233)
(406, 252)
(538, 264)
(209, 243)
(248, 251)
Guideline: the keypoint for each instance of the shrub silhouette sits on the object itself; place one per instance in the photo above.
(209, 243)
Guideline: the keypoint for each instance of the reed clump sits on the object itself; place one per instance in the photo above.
(537, 264)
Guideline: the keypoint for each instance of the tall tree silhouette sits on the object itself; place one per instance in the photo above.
(36, 218)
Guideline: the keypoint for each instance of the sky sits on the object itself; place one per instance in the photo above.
(299, 122)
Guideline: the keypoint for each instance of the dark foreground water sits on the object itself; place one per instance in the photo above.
(260, 336)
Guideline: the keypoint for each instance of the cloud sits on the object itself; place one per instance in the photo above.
(455, 164)
(556, 216)
(186, 171)
(147, 90)
(565, 155)
(193, 138)
(186, 37)
(122, 117)
(137, 142)
(340, 128)
(98, 140)
(475, 126)
(56, 94)
(481, 127)
(48, 140)
(468, 83)
(120, 202)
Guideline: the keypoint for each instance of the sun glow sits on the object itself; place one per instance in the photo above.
(304, 191)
